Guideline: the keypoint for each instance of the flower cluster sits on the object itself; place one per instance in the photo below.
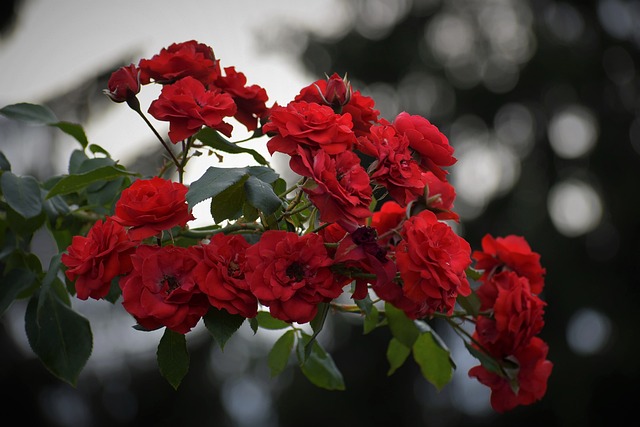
(367, 220)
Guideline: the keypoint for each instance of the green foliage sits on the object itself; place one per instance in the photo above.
(222, 325)
(173, 357)
(318, 366)
(280, 352)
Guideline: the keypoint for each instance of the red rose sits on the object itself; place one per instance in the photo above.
(338, 94)
(388, 218)
(432, 260)
(394, 167)
(123, 84)
(150, 206)
(178, 61)
(340, 186)
(431, 145)
(250, 100)
(512, 253)
(220, 274)
(440, 197)
(161, 290)
(187, 106)
(94, 261)
(291, 274)
(517, 313)
(309, 125)
(532, 374)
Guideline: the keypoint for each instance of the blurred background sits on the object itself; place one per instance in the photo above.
(541, 101)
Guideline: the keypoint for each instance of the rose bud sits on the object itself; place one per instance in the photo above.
(124, 84)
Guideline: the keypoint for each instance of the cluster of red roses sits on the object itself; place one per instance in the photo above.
(347, 157)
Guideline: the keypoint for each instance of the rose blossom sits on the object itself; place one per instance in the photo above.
(310, 125)
(291, 274)
(394, 167)
(440, 197)
(95, 260)
(161, 289)
(250, 100)
(340, 187)
(517, 313)
(123, 84)
(388, 218)
(188, 106)
(431, 145)
(432, 260)
(338, 94)
(512, 253)
(532, 373)
(150, 206)
(220, 274)
(178, 61)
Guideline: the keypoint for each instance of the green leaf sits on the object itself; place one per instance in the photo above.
(317, 323)
(173, 357)
(263, 173)
(473, 273)
(397, 354)
(73, 129)
(222, 325)
(253, 322)
(15, 282)
(371, 320)
(261, 195)
(59, 336)
(214, 140)
(75, 183)
(213, 182)
(279, 354)
(488, 362)
(228, 204)
(4, 162)
(402, 328)
(32, 113)
(266, 321)
(22, 194)
(319, 367)
(471, 303)
(434, 361)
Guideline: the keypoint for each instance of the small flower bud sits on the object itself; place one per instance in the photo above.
(124, 84)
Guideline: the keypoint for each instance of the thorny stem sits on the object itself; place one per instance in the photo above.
(248, 227)
(155, 132)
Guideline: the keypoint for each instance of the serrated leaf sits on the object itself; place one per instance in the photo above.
(319, 367)
(74, 130)
(213, 182)
(261, 195)
(263, 173)
(59, 336)
(173, 357)
(434, 361)
(222, 325)
(228, 204)
(402, 328)
(280, 352)
(213, 139)
(27, 112)
(266, 321)
(77, 182)
(22, 193)
(13, 284)
(397, 354)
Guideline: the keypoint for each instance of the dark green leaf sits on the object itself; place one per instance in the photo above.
(317, 323)
(261, 195)
(488, 362)
(74, 183)
(473, 274)
(22, 194)
(77, 158)
(253, 322)
(13, 284)
(213, 139)
(173, 357)
(434, 361)
(402, 328)
(4, 162)
(279, 354)
(397, 354)
(95, 148)
(60, 337)
(222, 325)
(263, 173)
(319, 367)
(73, 129)
(371, 320)
(266, 321)
(32, 113)
(470, 303)
(213, 182)
(229, 203)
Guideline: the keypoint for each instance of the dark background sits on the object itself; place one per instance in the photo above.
(571, 53)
